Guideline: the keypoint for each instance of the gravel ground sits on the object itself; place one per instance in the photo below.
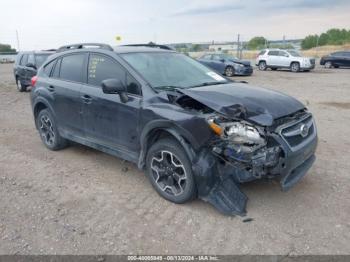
(81, 201)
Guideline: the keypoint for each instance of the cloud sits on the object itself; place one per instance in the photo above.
(307, 4)
(209, 10)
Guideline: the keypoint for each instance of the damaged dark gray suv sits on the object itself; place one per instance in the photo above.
(195, 133)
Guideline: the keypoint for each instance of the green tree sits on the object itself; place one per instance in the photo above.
(257, 42)
(309, 42)
(333, 36)
(6, 48)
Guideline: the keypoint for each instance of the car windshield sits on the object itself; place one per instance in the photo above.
(40, 59)
(169, 70)
(294, 53)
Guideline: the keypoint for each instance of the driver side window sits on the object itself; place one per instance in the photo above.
(102, 67)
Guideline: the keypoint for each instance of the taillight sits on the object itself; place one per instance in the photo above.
(33, 81)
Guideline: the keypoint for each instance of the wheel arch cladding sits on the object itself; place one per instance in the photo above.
(38, 107)
(162, 129)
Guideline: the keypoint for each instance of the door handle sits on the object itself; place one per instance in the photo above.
(87, 99)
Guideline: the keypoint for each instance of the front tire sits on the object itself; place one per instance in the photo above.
(262, 66)
(170, 171)
(20, 86)
(49, 135)
(229, 71)
(295, 67)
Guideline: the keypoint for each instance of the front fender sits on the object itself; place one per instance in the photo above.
(184, 137)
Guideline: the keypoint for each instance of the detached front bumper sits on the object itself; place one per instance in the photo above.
(287, 158)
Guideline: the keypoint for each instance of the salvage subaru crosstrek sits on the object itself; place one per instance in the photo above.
(194, 132)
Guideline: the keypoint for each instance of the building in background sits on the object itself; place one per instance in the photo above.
(223, 47)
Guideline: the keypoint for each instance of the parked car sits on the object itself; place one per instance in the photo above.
(277, 58)
(26, 66)
(227, 64)
(194, 132)
(336, 59)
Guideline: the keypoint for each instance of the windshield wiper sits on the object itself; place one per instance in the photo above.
(209, 84)
(167, 87)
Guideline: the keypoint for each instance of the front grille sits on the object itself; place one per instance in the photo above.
(298, 133)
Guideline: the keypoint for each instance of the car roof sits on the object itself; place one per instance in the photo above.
(43, 52)
(139, 49)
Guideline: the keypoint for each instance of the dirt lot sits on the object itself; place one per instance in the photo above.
(81, 201)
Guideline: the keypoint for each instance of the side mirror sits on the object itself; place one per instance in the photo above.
(115, 86)
(31, 65)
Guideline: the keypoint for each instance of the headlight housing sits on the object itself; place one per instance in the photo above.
(237, 132)
(238, 65)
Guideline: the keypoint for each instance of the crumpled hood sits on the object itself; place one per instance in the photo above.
(253, 103)
(243, 62)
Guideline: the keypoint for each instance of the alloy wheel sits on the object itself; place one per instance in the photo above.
(262, 65)
(46, 130)
(168, 173)
(229, 71)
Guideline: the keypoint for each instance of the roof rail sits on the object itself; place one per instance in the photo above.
(152, 45)
(84, 45)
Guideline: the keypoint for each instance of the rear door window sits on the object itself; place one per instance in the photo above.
(31, 59)
(273, 53)
(216, 57)
(56, 70)
(48, 67)
(24, 60)
(72, 67)
(40, 59)
(282, 53)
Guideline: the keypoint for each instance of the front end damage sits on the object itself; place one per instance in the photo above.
(242, 151)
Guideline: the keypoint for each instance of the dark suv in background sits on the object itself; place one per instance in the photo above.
(26, 66)
(336, 59)
(195, 133)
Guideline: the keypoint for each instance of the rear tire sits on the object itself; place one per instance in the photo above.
(328, 64)
(229, 71)
(295, 67)
(170, 171)
(49, 135)
(20, 86)
(262, 66)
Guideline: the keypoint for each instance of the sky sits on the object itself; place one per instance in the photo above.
(45, 24)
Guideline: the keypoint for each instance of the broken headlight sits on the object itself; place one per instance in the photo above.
(237, 132)
(242, 133)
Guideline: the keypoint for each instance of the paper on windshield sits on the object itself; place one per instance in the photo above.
(215, 76)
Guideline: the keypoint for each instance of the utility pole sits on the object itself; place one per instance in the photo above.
(238, 45)
(18, 47)
(284, 41)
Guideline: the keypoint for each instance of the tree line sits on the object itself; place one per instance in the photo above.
(333, 36)
(6, 48)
